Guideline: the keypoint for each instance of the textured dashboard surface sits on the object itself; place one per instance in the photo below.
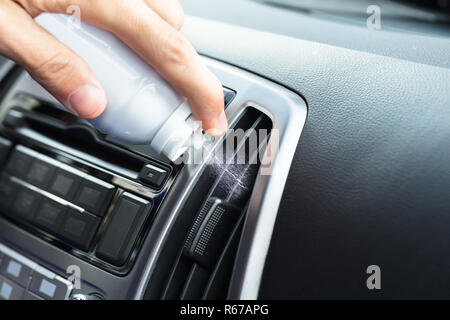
(400, 36)
(370, 181)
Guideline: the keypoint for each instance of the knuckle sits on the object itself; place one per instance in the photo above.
(176, 49)
(55, 68)
(33, 7)
(53, 64)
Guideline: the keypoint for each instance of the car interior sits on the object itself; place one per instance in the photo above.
(359, 176)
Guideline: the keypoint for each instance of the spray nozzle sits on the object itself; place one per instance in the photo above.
(201, 138)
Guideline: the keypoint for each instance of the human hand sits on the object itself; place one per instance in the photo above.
(149, 27)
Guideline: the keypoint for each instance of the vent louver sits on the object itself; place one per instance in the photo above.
(197, 261)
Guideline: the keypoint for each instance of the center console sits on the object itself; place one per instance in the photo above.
(83, 216)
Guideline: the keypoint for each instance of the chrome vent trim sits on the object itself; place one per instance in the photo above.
(288, 112)
(222, 197)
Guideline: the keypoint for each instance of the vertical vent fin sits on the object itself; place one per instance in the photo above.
(203, 261)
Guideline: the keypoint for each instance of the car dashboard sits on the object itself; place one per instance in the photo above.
(354, 172)
(75, 200)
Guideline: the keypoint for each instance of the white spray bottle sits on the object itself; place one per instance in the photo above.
(142, 107)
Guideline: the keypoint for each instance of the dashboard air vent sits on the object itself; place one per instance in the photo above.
(199, 264)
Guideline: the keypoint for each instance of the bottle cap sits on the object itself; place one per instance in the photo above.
(176, 135)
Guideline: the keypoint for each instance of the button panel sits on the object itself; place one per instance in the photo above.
(50, 216)
(26, 203)
(65, 184)
(46, 288)
(23, 279)
(127, 219)
(5, 148)
(154, 176)
(19, 163)
(9, 290)
(79, 229)
(70, 206)
(94, 195)
(40, 173)
(15, 271)
(71, 215)
(7, 192)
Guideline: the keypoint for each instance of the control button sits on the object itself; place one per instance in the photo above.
(15, 271)
(79, 228)
(9, 290)
(26, 203)
(31, 296)
(48, 288)
(5, 148)
(50, 215)
(40, 173)
(228, 96)
(7, 191)
(94, 195)
(153, 176)
(19, 164)
(64, 184)
(127, 219)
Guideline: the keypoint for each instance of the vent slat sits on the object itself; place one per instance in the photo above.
(218, 281)
(195, 283)
(205, 274)
(178, 275)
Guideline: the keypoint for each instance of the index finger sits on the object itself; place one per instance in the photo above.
(169, 52)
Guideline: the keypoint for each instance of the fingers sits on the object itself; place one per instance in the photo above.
(57, 68)
(176, 60)
(170, 10)
(137, 24)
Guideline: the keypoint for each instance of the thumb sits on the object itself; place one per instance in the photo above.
(58, 69)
